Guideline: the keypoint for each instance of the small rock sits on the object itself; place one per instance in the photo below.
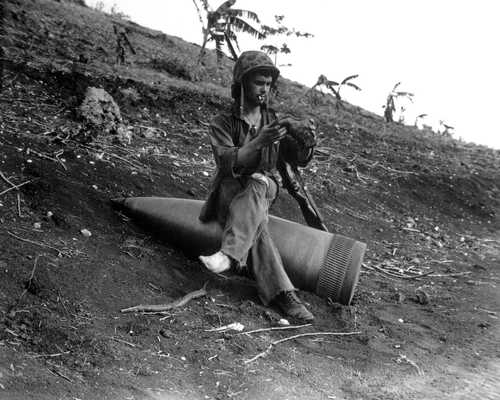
(164, 333)
(123, 135)
(283, 322)
(37, 225)
(149, 133)
(49, 214)
(410, 222)
(130, 94)
(86, 233)
(422, 296)
(99, 109)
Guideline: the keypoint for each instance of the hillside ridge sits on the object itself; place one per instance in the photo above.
(427, 206)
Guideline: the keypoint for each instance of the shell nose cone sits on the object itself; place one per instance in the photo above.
(118, 202)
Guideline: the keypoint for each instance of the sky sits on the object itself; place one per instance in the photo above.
(445, 52)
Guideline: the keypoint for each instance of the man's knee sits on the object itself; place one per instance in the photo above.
(260, 178)
(258, 185)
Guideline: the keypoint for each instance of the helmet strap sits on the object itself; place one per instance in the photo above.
(242, 98)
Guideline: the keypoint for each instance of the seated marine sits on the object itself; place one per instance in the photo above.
(254, 152)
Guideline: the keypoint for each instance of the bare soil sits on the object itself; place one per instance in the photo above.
(422, 203)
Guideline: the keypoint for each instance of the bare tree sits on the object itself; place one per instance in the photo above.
(279, 30)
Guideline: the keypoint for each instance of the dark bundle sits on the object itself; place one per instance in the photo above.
(302, 131)
(297, 148)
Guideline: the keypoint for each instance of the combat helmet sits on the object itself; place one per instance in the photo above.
(250, 61)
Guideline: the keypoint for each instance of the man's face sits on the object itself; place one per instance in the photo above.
(257, 88)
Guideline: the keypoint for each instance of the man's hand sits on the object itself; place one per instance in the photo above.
(249, 154)
(269, 134)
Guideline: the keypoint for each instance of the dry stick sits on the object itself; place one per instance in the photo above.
(41, 155)
(49, 355)
(6, 179)
(11, 184)
(452, 274)
(37, 243)
(402, 357)
(56, 372)
(14, 187)
(379, 269)
(276, 328)
(159, 308)
(410, 230)
(111, 154)
(265, 352)
(138, 166)
(390, 169)
(440, 262)
(386, 273)
(156, 128)
(487, 311)
(130, 163)
(62, 163)
(19, 205)
(122, 341)
(32, 275)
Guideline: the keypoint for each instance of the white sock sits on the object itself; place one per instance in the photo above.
(217, 262)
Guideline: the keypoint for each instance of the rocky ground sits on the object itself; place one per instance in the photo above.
(424, 320)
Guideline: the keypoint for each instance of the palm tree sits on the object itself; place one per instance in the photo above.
(419, 118)
(222, 26)
(273, 51)
(270, 50)
(390, 105)
(445, 129)
(335, 87)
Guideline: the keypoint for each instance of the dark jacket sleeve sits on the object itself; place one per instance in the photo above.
(225, 151)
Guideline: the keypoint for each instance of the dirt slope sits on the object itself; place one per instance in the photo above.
(422, 203)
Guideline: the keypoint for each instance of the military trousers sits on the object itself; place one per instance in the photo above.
(246, 237)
